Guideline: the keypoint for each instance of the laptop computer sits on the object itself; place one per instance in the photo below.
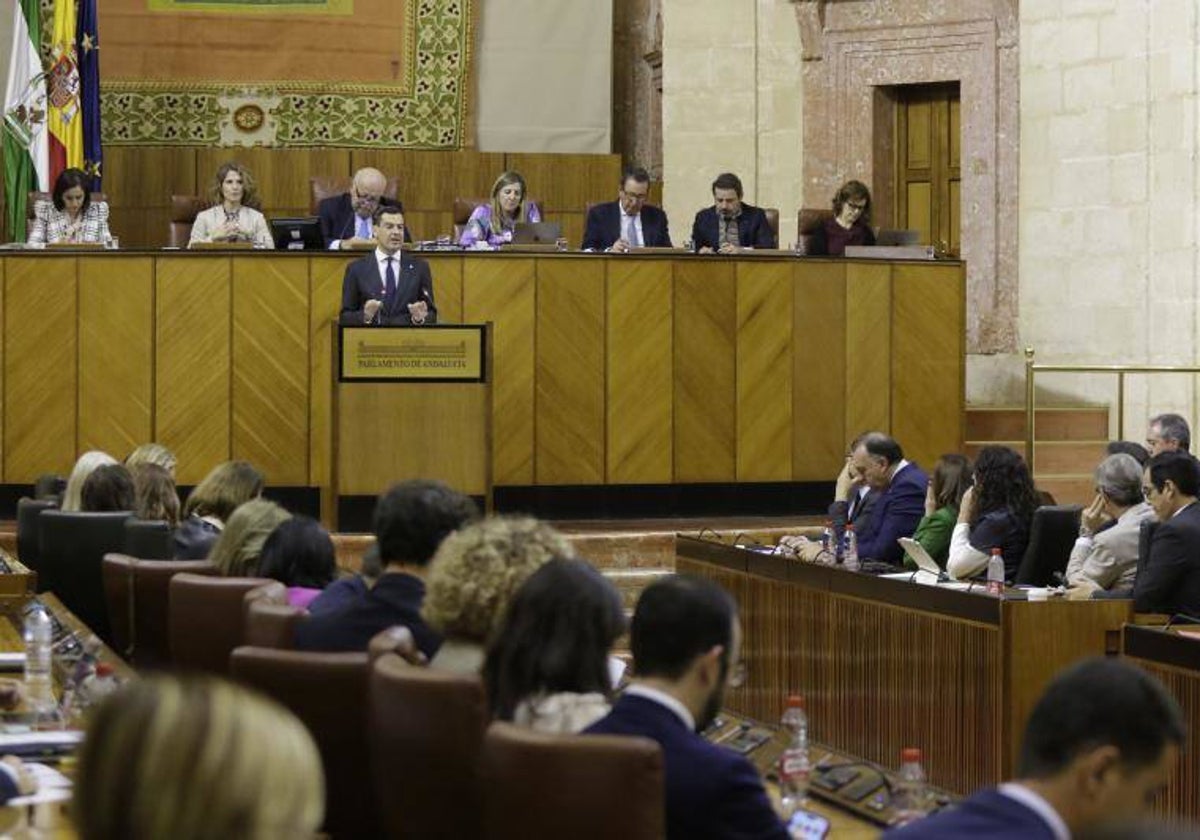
(920, 556)
(536, 233)
(898, 237)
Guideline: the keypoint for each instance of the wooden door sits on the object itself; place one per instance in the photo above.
(928, 171)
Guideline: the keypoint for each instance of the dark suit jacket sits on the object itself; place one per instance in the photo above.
(362, 283)
(337, 217)
(896, 514)
(752, 229)
(711, 791)
(1168, 576)
(394, 599)
(988, 815)
(604, 227)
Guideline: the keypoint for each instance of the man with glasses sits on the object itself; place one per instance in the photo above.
(346, 218)
(1168, 576)
(629, 222)
(686, 639)
(1168, 433)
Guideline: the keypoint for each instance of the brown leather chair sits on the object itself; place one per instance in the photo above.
(396, 640)
(271, 625)
(34, 197)
(322, 187)
(328, 692)
(615, 784)
(426, 731)
(464, 207)
(184, 209)
(809, 220)
(772, 214)
(206, 617)
(136, 591)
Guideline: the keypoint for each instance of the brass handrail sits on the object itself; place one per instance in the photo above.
(1031, 369)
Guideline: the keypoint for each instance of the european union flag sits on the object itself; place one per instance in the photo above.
(87, 50)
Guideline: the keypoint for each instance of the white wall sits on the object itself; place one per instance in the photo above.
(545, 76)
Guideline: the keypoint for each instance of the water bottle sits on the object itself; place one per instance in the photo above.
(829, 542)
(995, 574)
(793, 764)
(39, 636)
(850, 552)
(910, 798)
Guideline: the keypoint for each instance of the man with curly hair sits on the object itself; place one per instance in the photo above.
(411, 520)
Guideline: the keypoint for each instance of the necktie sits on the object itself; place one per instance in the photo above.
(631, 235)
(389, 288)
(364, 228)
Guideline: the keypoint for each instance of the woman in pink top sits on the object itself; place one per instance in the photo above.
(299, 553)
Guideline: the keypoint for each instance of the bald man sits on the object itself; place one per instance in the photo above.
(346, 218)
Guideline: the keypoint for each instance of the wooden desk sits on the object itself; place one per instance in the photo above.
(611, 372)
(1175, 659)
(886, 664)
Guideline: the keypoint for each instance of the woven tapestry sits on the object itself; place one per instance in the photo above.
(388, 73)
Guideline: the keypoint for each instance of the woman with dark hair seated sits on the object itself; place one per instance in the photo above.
(299, 553)
(109, 488)
(995, 513)
(949, 482)
(851, 222)
(70, 215)
(547, 666)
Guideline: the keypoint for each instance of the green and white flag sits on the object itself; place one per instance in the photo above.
(26, 145)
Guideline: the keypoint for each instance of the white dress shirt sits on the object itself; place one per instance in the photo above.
(1036, 803)
(663, 699)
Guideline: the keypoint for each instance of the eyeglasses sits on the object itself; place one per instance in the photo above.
(367, 197)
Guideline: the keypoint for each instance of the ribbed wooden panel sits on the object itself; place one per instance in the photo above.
(568, 182)
(281, 175)
(116, 354)
(639, 372)
(819, 373)
(570, 372)
(192, 368)
(765, 403)
(40, 368)
(503, 292)
(927, 383)
(432, 180)
(139, 182)
(270, 367)
(1181, 800)
(868, 348)
(448, 290)
(325, 295)
(705, 371)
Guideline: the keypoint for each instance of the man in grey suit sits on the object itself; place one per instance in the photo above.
(1104, 559)
(387, 287)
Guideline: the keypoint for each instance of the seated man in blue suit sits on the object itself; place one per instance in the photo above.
(730, 224)
(1168, 571)
(629, 222)
(346, 219)
(387, 287)
(685, 638)
(1099, 747)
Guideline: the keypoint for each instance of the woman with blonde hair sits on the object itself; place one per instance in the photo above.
(85, 466)
(494, 222)
(196, 757)
(211, 502)
(474, 575)
(152, 453)
(240, 545)
(233, 217)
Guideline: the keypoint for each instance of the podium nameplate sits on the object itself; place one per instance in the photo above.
(439, 353)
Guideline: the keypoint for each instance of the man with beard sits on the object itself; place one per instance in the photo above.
(730, 225)
(686, 638)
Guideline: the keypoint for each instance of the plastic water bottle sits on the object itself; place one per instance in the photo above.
(39, 633)
(850, 553)
(829, 543)
(995, 574)
(910, 798)
(793, 764)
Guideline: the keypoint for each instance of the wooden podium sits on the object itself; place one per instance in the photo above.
(412, 402)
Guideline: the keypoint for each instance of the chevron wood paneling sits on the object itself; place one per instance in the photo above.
(270, 367)
(192, 366)
(570, 372)
(819, 374)
(928, 391)
(448, 289)
(503, 291)
(40, 372)
(868, 347)
(764, 371)
(639, 362)
(116, 354)
(325, 296)
(705, 396)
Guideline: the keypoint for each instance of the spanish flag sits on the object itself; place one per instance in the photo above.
(65, 121)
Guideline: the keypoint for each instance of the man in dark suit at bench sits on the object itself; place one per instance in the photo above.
(629, 222)
(346, 219)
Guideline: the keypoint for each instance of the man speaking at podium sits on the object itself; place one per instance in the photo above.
(386, 287)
